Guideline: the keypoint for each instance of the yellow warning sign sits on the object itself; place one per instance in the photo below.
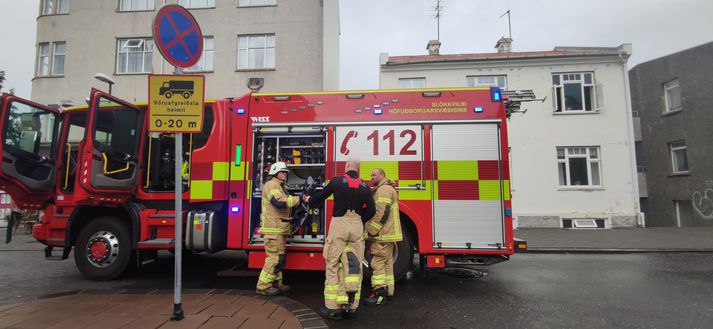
(176, 103)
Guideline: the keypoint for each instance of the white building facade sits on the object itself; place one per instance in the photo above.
(292, 45)
(572, 156)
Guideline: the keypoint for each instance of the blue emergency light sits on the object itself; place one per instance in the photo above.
(235, 209)
(241, 111)
(378, 111)
(478, 109)
(496, 94)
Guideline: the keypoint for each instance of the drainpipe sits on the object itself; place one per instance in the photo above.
(632, 143)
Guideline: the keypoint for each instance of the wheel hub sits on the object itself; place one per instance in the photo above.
(102, 249)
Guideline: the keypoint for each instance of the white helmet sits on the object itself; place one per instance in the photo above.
(277, 167)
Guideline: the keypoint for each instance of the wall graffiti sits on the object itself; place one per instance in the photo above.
(703, 201)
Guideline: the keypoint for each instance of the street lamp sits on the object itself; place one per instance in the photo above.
(104, 78)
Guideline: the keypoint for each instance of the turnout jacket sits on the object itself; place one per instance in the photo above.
(385, 225)
(276, 204)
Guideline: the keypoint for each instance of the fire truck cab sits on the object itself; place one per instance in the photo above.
(105, 184)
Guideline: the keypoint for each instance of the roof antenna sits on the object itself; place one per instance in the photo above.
(438, 8)
(509, 26)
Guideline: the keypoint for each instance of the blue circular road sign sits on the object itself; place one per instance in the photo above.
(178, 36)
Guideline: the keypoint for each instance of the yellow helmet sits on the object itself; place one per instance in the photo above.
(277, 167)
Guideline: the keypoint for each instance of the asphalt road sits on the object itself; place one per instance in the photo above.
(671, 290)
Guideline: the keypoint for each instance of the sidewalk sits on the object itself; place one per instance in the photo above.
(659, 239)
(136, 309)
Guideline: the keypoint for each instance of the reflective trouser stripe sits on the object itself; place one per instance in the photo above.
(272, 230)
(351, 278)
(378, 280)
(268, 277)
(389, 280)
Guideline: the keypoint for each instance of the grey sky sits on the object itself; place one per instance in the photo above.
(403, 27)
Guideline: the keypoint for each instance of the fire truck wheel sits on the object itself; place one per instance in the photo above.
(403, 256)
(103, 249)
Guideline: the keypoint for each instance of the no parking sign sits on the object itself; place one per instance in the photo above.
(178, 36)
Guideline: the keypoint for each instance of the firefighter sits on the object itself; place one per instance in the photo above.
(275, 226)
(344, 248)
(383, 231)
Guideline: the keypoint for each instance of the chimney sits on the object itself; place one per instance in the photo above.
(504, 45)
(434, 47)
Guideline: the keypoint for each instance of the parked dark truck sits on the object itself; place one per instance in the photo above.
(184, 88)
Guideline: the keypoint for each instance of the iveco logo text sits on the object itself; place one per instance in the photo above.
(260, 119)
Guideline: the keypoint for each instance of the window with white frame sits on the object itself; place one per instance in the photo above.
(58, 52)
(672, 96)
(679, 157)
(50, 58)
(205, 63)
(197, 3)
(134, 55)
(136, 5)
(54, 7)
(256, 51)
(256, 3)
(576, 92)
(408, 83)
(487, 81)
(43, 59)
(579, 166)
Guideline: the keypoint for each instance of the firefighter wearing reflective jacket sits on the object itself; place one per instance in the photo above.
(344, 248)
(384, 231)
(275, 226)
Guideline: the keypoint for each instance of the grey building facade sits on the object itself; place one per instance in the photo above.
(292, 45)
(673, 96)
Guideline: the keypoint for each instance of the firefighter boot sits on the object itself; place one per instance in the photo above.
(271, 291)
(378, 297)
(283, 288)
(332, 314)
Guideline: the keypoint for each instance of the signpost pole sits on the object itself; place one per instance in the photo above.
(180, 41)
(178, 240)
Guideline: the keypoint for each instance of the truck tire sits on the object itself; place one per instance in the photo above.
(102, 251)
(403, 255)
(167, 94)
(186, 95)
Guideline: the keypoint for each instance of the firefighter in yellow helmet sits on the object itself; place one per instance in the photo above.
(344, 248)
(275, 226)
(384, 231)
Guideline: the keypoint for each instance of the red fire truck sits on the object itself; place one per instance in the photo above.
(105, 184)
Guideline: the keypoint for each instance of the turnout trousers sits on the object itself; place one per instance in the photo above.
(382, 266)
(343, 253)
(274, 262)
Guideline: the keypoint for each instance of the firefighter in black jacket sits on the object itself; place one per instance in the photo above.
(344, 248)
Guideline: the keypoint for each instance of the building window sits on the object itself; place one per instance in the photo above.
(197, 3)
(134, 55)
(54, 7)
(256, 3)
(487, 81)
(672, 95)
(58, 58)
(408, 83)
(579, 166)
(205, 63)
(679, 158)
(575, 92)
(43, 59)
(50, 59)
(256, 51)
(136, 5)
